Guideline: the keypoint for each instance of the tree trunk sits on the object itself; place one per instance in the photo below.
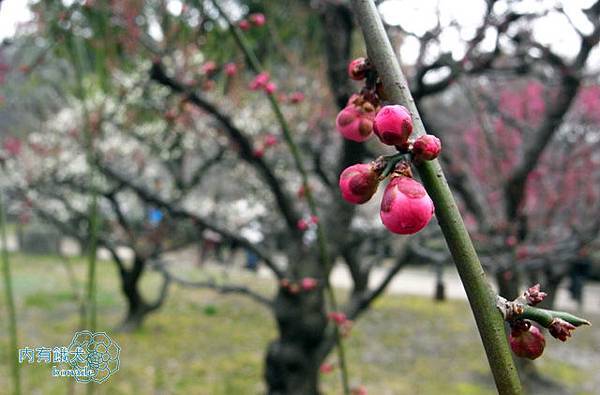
(292, 362)
(293, 359)
(508, 284)
(137, 308)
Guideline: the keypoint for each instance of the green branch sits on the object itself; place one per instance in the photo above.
(13, 347)
(480, 294)
(517, 310)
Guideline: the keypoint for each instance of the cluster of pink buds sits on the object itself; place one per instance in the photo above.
(270, 140)
(263, 81)
(405, 208)
(257, 19)
(526, 340)
(306, 284)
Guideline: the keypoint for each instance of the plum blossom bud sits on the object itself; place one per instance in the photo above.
(561, 329)
(270, 140)
(308, 283)
(244, 25)
(258, 19)
(302, 224)
(209, 67)
(355, 121)
(296, 97)
(426, 147)
(314, 219)
(358, 183)
(406, 208)
(357, 68)
(230, 69)
(393, 125)
(325, 368)
(270, 87)
(260, 81)
(527, 343)
(259, 152)
(534, 295)
(338, 317)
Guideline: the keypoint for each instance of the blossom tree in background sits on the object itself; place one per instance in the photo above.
(197, 98)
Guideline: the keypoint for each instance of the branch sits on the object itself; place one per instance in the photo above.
(362, 301)
(211, 284)
(479, 292)
(178, 212)
(245, 145)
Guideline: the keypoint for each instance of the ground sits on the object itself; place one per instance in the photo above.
(204, 343)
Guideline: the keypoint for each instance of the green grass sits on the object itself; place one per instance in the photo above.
(204, 343)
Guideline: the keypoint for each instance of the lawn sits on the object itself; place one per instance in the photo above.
(204, 343)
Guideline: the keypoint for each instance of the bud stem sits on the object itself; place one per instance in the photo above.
(515, 310)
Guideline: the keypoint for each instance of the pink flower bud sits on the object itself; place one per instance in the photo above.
(259, 152)
(527, 343)
(355, 121)
(338, 317)
(270, 87)
(302, 224)
(308, 283)
(296, 97)
(357, 68)
(358, 183)
(209, 67)
(230, 69)
(260, 81)
(270, 140)
(561, 329)
(534, 295)
(405, 208)
(325, 368)
(393, 125)
(258, 19)
(426, 147)
(314, 219)
(244, 25)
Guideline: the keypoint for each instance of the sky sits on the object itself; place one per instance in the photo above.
(12, 13)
